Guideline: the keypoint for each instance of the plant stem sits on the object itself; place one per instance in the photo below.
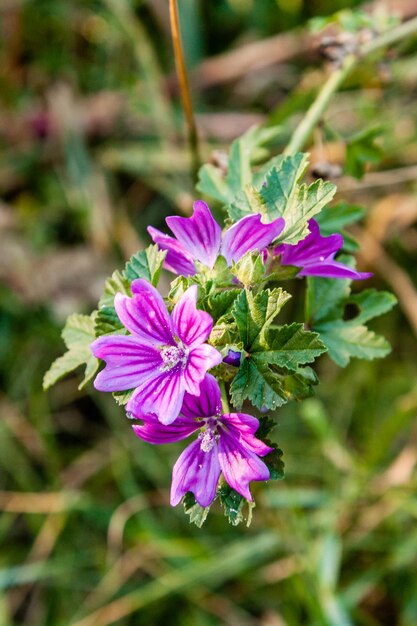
(316, 110)
(225, 401)
(184, 88)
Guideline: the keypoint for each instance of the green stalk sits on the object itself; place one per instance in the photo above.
(225, 401)
(316, 110)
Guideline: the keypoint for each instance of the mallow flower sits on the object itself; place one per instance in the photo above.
(226, 443)
(163, 357)
(315, 256)
(200, 238)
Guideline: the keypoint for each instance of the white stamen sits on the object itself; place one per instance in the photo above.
(208, 439)
(171, 356)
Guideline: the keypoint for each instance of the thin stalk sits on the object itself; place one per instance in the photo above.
(316, 110)
(225, 401)
(184, 88)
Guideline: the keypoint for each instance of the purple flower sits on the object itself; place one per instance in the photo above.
(200, 238)
(226, 443)
(315, 255)
(233, 358)
(163, 357)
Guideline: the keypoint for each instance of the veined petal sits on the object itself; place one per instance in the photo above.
(145, 314)
(249, 234)
(162, 395)
(177, 260)
(243, 427)
(239, 465)
(207, 404)
(191, 325)
(199, 234)
(313, 248)
(196, 471)
(129, 362)
(154, 432)
(200, 360)
(332, 269)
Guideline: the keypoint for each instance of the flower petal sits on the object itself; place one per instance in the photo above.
(332, 269)
(199, 234)
(177, 260)
(239, 465)
(243, 427)
(129, 362)
(145, 314)
(199, 361)
(313, 248)
(249, 234)
(162, 395)
(191, 325)
(154, 432)
(315, 255)
(196, 471)
(207, 404)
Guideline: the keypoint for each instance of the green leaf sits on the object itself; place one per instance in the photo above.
(305, 204)
(325, 297)
(122, 397)
(197, 513)
(372, 303)
(250, 270)
(234, 504)
(224, 333)
(77, 334)
(243, 152)
(281, 183)
(220, 303)
(211, 183)
(107, 322)
(327, 300)
(333, 219)
(275, 464)
(284, 197)
(345, 340)
(146, 264)
(290, 346)
(116, 283)
(258, 384)
(178, 287)
(300, 384)
(255, 313)
(361, 149)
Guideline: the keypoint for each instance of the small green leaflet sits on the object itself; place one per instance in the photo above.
(116, 283)
(146, 264)
(255, 313)
(243, 152)
(289, 346)
(297, 208)
(334, 219)
(325, 307)
(259, 384)
(234, 505)
(282, 182)
(250, 270)
(197, 513)
(361, 149)
(269, 352)
(220, 303)
(77, 334)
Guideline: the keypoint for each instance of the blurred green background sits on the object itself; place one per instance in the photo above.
(92, 150)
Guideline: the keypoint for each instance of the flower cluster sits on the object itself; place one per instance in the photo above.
(163, 357)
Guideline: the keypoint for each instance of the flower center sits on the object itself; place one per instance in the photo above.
(209, 436)
(172, 356)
